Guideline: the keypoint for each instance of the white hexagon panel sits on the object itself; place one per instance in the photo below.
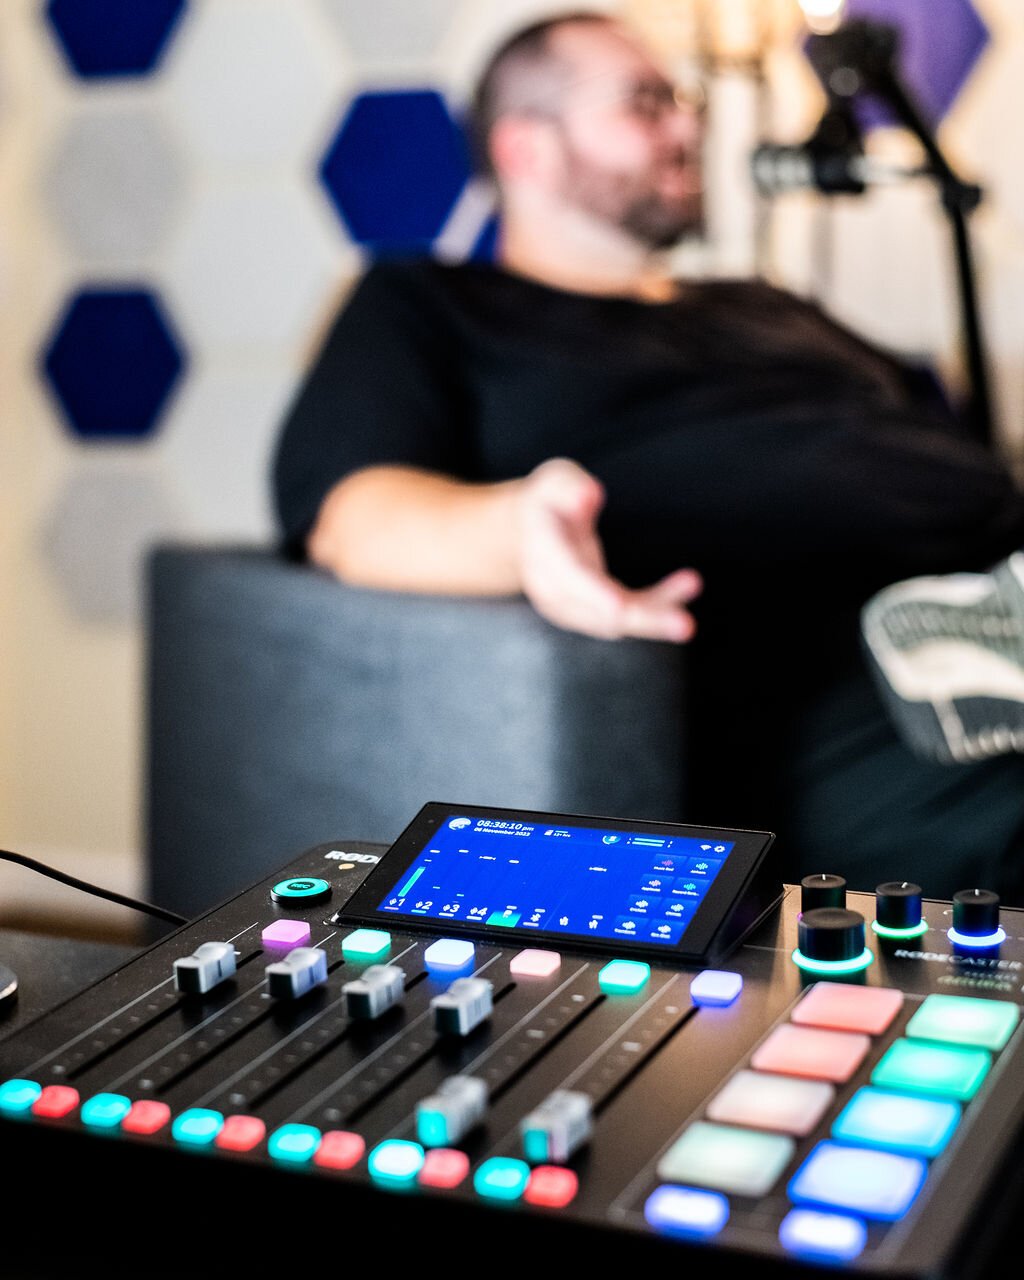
(96, 536)
(252, 265)
(253, 81)
(219, 446)
(401, 31)
(113, 184)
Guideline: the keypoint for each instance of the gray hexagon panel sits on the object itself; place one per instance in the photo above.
(114, 184)
(252, 266)
(398, 32)
(96, 535)
(219, 443)
(252, 84)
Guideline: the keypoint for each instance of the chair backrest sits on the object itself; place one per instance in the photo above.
(285, 709)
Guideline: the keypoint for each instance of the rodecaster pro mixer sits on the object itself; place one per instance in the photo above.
(522, 1040)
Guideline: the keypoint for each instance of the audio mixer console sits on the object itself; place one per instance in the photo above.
(512, 1038)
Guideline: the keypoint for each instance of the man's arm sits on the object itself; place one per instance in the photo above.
(406, 529)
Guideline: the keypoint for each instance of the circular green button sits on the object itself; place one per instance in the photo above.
(306, 888)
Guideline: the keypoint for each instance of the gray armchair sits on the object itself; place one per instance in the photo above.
(284, 709)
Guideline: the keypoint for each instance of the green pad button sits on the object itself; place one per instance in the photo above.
(950, 1070)
(624, 977)
(301, 889)
(366, 944)
(986, 1024)
(742, 1161)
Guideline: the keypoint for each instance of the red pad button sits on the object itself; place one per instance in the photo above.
(339, 1149)
(241, 1133)
(55, 1101)
(842, 1008)
(443, 1167)
(146, 1116)
(806, 1051)
(552, 1186)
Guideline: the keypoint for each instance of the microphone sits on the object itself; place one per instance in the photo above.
(779, 168)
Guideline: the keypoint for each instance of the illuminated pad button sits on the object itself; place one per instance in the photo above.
(841, 1008)
(985, 1024)
(551, 1186)
(952, 1070)
(715, 987)
(806, 1051)
(339, 1149)
(449, 953)
(738, 1160)
(197, 1127)
(624, 977)
(241, 1133)
(763, 1101)
(444, 1167)
(822, 1237)
(146, 1116)
(55, 1101)
(901, 1122)
(366, 944)
(395, 1162)
(873, 1184)
(501, 1178)
(535, 964)
(285, 934)
(294, 1143)
(306, 889)
(105, 1110)
(684, 1211)
(18, 1096)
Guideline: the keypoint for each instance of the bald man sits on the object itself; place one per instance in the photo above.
(638, 453)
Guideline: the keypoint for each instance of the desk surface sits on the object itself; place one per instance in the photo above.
(50, 970)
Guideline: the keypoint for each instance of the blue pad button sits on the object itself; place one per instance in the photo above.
(822, 1237)
(903, 1122)
(874, 1184)
(686, 1211)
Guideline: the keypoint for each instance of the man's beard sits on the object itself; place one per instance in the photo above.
(632, 203)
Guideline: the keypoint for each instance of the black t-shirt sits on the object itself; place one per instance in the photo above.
(734, 427)
(737, 430)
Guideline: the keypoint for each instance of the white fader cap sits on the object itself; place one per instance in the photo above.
(300, 971)
(207, 966)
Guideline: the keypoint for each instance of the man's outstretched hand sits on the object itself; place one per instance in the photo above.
(563, 570)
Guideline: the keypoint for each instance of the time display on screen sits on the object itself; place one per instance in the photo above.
(535, 876)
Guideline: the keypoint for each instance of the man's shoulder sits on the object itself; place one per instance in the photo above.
(422, 277)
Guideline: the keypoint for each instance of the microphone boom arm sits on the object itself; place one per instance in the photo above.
(861, 56)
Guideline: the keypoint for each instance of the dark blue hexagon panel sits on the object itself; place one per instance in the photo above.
(112, 362)
(940, 42)
(113, 37)
(395, 169)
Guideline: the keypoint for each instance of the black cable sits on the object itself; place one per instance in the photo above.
(160, 912)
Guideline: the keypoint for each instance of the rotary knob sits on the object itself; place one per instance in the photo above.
(822, 891)
(898, 905)
(976, 913)
(831, 934)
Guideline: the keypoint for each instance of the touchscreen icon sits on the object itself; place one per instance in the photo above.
(457, 824)
(610, 839)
